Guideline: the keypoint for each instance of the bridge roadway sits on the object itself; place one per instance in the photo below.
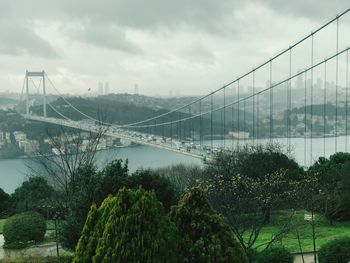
(186, 148)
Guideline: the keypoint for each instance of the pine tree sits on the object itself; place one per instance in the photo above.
(130, 227)
(205, 236)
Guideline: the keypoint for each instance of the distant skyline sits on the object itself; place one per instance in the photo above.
(154, 47)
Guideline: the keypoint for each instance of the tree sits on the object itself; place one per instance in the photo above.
(149, 180)
(90, 186)
(244, 201)
(254, 162)
(33, 195)
(74, 150)
(130, 227)
(183, 177)
(332, 187)
(5, 203)
(335, 251)
(205, 236)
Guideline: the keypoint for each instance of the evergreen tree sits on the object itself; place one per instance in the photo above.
(130, 227)
(205, 236)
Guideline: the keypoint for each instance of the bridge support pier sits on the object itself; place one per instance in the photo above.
(40, 74)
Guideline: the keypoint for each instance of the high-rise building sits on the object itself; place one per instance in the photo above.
(106, 88)
(100, 88)
(136, 89)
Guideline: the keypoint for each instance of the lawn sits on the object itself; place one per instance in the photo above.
(324, 232)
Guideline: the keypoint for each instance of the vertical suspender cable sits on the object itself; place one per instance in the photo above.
(324, 108)
(244, 119)
(200, 126)
(305, 117)
(189, 123)
(336, 89)
(224, 130)
(238, 119)
(346, 100)
(211, 122)
(253, 106)
(271, 103)
(289, 100)
(257, 116)
(312, 95)
(232, 120)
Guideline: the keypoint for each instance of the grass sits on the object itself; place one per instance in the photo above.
(2, 222)
(324, 232)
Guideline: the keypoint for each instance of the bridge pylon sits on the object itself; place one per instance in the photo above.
(36, 74)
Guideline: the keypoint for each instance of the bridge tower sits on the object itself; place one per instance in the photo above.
(36, 74)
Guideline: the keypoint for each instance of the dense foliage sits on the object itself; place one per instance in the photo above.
(246, 186)
(254, 162)
(130, 227)
(166, 193)
(182, 176)
(64, 259)
(205, 236)
(274, 255)
(336, 251)
(21, 229)
(90, 186)
(332, 188)
(34, 194)
(5, 203)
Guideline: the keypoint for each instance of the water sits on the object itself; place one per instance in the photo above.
(304, 151)
(13, 172)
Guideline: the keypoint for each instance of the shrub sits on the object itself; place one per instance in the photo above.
(205, 236)
(33, 195)
(333, 185)
(336, 251)
(274, 255)
(23, 228)
(130, 227)
(5, 203)
(90, 186)
(62, 259)
(149, 180)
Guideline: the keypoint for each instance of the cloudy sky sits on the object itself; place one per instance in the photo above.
(193, 46)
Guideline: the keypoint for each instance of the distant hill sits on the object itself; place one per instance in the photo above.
(126, 108)
(5, 101)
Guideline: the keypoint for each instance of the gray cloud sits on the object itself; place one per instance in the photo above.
(155, 40)
(312, 9)
(107, 36)
(18, 39)
(200, 54)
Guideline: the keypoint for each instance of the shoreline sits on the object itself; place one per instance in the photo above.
(24, 157)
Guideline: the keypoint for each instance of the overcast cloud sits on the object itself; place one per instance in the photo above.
(191, 46)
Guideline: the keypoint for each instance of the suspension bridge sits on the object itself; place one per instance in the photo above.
(297, 97)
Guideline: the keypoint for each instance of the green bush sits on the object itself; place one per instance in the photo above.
(33, 195)
(336, 251)
(130, 227)
(5, 203)
(64, 259)
(275, 255)
(23, 228)
(205, 236)
(149, 180)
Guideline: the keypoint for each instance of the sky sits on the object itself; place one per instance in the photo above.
(164, 47)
